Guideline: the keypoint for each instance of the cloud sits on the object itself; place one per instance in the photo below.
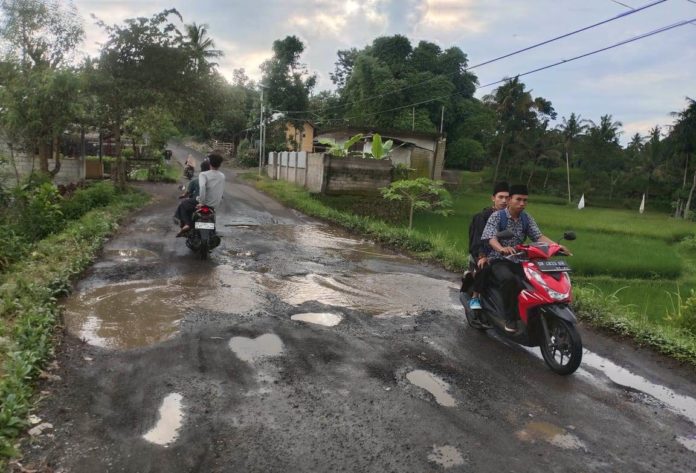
(448, 15)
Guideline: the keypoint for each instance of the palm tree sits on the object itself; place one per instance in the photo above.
(202, 47)
(571, 129)
(684, 133)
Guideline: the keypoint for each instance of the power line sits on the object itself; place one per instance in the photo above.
(564, 61)
(505, 56)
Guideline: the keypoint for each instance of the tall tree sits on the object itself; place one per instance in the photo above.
(571, 129)
(287, 81)
(202, 48)
(684, 136)
(40, 38)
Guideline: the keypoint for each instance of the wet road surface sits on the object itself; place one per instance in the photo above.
(297, 347)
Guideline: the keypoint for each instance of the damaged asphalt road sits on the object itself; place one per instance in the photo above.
(297, 347)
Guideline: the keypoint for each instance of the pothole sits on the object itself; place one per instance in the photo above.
(251, 349)
(127, 255)
(446, 456)
(549, 433)
(170, 417)
(326, 319)
(434, 385)
(689, 442)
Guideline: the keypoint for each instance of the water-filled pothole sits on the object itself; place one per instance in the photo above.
(251, 349)
(127, 255)
(689, 442)
(549, 433)
(434, 385)
(144, 312)
(320, 318)
(446, 456)
(378, 294)
(170, 418)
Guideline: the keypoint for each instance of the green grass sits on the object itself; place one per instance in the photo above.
(29, 311)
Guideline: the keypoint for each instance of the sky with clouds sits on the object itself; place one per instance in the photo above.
(639, 83)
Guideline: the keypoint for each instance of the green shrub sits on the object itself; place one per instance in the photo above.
(43, 214)
(12, 246)
(99, 194)
(683, 314)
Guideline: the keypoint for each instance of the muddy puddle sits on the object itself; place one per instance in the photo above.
(334, 239)
(169, 419)
(326, 319)
(377, 294)
(549, 433)
(434, 385)
(252, 349)
(683, 405)
(129, 255)
(446, 456)
(141, 313)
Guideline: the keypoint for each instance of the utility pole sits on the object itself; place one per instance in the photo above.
(261, 134)
(413, 118)
(442, 119)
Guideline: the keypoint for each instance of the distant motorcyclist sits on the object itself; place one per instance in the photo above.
(211, 188)
(193, 188)
(478, 250)
(504, 274)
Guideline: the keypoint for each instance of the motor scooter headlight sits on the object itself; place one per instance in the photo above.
(557, 296)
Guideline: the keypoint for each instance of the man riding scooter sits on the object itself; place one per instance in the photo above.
(506, 276)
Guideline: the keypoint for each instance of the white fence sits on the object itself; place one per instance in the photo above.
(289, 166)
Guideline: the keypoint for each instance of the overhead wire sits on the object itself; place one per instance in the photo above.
(548, 66)
(499, 58)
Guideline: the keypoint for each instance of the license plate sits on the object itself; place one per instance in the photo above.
(205, 225)
(551, 266)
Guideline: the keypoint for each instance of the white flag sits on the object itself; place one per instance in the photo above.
(581, 204)
(642, 205)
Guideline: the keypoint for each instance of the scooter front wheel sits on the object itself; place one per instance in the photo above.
(561, 346)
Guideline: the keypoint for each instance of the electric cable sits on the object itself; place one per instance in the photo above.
(499, 58)
(548, 66)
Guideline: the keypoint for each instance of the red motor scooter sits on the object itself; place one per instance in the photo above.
(545, 317)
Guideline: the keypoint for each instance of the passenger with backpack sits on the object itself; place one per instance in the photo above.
(478, 249)
(504, 274)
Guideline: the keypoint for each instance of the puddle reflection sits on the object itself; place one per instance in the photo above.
(170, 417)
(251, 349)
(434, 385)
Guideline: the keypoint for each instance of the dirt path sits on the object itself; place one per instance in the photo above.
(299, 348)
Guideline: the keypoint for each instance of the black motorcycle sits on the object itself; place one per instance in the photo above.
(201, 239)
(188, 172)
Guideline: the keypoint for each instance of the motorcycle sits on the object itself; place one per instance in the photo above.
(545, 317)
(201, 239)
(188, 172)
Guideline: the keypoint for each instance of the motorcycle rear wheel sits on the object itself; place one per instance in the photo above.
(203, 250)
(562, 350)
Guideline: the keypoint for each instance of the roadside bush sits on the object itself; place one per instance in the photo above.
(99, 194)
(688, 244)
(683, 314)
(43, 214)
(12, 247)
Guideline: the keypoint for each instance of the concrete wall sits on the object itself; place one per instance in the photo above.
(321, 173)
(357, 175)
(71, 169)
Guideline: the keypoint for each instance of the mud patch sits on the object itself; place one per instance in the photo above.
(170, 418)
(326, 319)
(434, 385)
(380, 295)
(549, 433)
(446, 456)
(252, 349)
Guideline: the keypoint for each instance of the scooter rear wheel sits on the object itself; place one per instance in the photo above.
(562, 350)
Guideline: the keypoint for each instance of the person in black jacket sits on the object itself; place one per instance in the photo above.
(477, 248)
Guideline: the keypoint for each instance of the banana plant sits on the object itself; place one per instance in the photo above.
(380, 150)
(340, 150)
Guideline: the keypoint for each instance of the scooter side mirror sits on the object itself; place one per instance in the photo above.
(504, 235)
(570, 236)
(183, 187)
